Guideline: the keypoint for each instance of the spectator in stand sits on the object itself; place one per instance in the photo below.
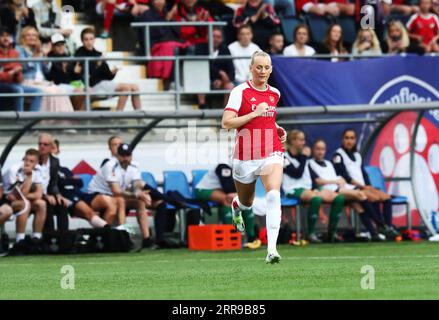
(15, 15)
(48, 16)
(423, 27)
(397, 40)
(284, 7)
(217, 8)
(333, 43)
(107, 8)
(11, 75)
(318, 8)
(35, 72)
(276, 43)
(300, 47)
(403, 7)
(366, 43)
(101, 77)
(222, 72)
(190, 11)
(262, 17)
(27, 176)
(165, 41)
(243, 47)
(66, 74)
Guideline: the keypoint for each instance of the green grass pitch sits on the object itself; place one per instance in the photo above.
(404, 270)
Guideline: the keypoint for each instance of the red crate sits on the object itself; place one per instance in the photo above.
(214, 237)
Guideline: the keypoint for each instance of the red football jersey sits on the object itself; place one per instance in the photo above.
(425, 26)
(258, 138)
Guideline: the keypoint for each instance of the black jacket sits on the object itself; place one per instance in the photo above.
(7, 20)
(57, 73)
(98, 72)
(53, 188)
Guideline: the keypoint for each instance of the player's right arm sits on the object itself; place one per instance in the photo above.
(232, 121)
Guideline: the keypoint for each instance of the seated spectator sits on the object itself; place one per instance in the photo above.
(222, 72)
(366, 43)
(120, 177)
(107, 8)
(190, 11)
(15, 15)
(35, 72)
(318, 8)
(78, 202)
(261, 17)
(101, 76)
(397, 40)
(6, 212)
(333, 43)
(217, 185)
(284, 7)
(423, 27)
(276, 43)
(27, 177)
(48, 18)
(243, 47)
(403, 7)
(66, 75)
(11, 75)
(300, 47)
(164, 40)
(217, 8)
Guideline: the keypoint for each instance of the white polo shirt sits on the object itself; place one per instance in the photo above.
(15, 174)
(112, 172)
(45, 175)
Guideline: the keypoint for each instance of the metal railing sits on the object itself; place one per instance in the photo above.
(178, 92)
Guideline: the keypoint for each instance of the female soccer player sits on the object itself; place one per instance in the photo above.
(251, 110)
(349, 164)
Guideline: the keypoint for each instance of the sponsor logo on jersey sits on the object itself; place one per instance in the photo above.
(253, 99)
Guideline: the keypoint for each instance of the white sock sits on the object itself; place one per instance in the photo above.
(273, 218)
(241, 206)
(37, 235)
(19, 236)
(98, 222)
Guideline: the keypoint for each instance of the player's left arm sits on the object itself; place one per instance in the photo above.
(282, 133)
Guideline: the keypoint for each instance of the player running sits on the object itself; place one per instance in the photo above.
(259, 151)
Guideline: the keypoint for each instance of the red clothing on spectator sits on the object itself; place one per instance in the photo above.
(193, 35)
(8, 66)
(301, 3)
(163, 69)
(425, 26)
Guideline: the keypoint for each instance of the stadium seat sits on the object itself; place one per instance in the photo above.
(288, 25)
(349, 29)
(177, 181)
(377, 181)
(149, 179)
(86, 179)
(197, 175)
(318, 27)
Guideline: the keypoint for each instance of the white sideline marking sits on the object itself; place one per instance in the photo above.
(5, 264)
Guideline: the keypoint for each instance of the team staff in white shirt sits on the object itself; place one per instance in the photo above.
(120, 177)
